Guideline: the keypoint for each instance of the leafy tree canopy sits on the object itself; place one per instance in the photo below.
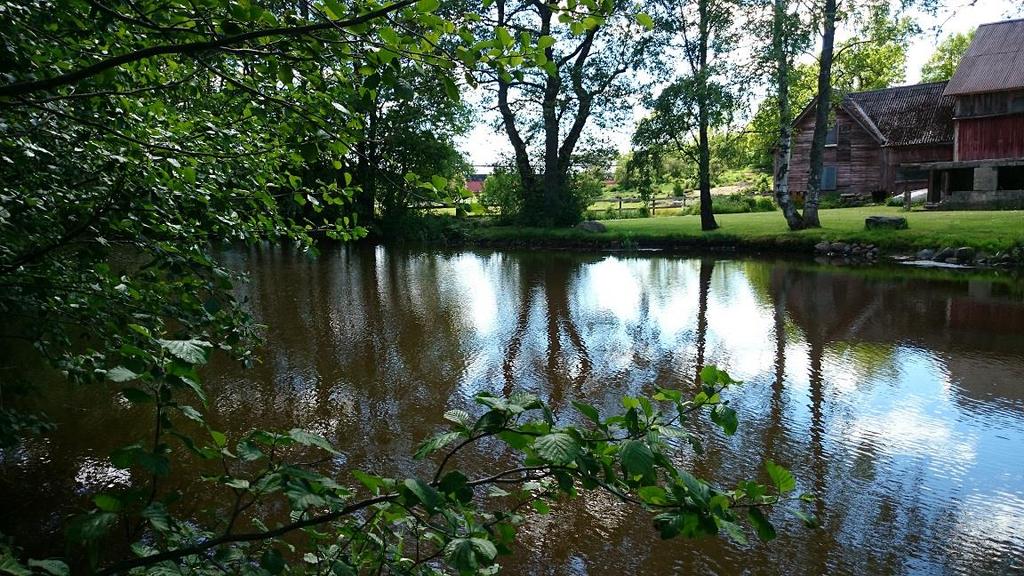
(946, 57)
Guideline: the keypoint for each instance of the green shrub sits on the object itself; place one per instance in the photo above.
(614, 214)
(584, 189)
(761, 183)
(735, 204)
(503, 191)
(830, 200)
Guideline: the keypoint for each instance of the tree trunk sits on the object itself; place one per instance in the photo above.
(707, 215)
(821, 116)
(554, 193)
(366, 169)
(784, 145)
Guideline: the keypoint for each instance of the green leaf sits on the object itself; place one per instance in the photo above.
(219, 438)
(247, 451)
(726, 418)
(91, 527)
(765, 530)
(540, 506)
(373, 483)
(427, 496)
(782, 478)
(733, 530)
(272, 561)
(50, 566)
(504, 37)
(435, 443)
(136, 396)
(461, 554)
(389, 36)
(191, 413)
(645, 20)
(450, 89)
(239, 483)
(156, 464)
(484, 548)
(9, 565)
(124, 456)
(809, 520)
(191, 351)
(637, 459)
(107, 502)
(709, 375)
(558, 448)
(460, 417)
(454, 484)
(428, 5)
(545, 42)
(335, 9)
(121, 374)
(307, 438)
(157, 516)
(653, 495)
(589, 411)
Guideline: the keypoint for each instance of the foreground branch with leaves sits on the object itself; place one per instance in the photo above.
(444, 522)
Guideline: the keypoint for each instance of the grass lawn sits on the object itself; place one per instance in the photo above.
(984, 230)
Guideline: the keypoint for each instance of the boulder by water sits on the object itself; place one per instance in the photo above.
(592, 226)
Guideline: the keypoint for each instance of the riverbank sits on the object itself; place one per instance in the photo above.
(989, 232)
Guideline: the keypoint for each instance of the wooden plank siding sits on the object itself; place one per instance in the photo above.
(897, 179)
(995, 137)
(857, 157)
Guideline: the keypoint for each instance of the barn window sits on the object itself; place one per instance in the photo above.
(832, 136)
(1017, 105)
(828, 178)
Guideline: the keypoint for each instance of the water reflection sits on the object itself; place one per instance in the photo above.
(897, 400)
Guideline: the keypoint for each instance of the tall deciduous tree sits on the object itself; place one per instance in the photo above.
(588, 56)
(782, 54)
(944, 61)
(875, 58)
(703, 98)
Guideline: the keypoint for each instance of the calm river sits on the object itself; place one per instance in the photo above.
(897, 398)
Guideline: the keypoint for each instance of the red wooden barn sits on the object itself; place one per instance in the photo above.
(963, 140)
(987, 168)
(873, 134)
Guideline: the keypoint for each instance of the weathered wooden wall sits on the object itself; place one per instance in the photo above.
(896, 180)
(990, 138)
(857, 156)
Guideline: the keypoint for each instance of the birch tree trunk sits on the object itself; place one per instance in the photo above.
(784, 145)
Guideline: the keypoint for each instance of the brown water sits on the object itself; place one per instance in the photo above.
(898, 399)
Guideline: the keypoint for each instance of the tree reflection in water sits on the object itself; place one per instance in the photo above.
(897, 400)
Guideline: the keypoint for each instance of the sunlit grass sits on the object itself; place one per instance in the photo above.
(985, 230)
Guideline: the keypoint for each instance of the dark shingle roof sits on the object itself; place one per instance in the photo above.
(905, 115)
(993, 62)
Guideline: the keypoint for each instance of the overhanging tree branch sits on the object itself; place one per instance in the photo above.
(68, 78)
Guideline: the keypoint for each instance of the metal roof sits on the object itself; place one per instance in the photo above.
(994, 62)
(904, 115)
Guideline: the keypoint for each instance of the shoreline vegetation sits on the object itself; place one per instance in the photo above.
(987, 232)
